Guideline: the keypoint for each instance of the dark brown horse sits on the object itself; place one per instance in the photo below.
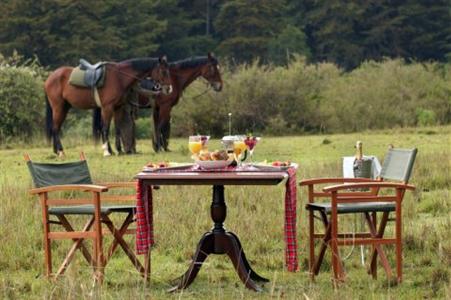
(61, 95)
(182, 73)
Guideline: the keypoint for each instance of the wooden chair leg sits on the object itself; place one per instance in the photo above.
(373, 264)
(47, 246)
(122, 230)
(336, 261)
(324, 244)
(65, 223)
(312, 244)
(118, 239)
(398, 232)
(76, 245)
(378, 250)
(147, 266)
(48, 255)
(98, 248)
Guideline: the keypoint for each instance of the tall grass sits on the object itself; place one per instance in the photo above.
(181, 215)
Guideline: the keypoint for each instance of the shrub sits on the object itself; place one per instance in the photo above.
(426, 117)
(21, 98)
(387, 94)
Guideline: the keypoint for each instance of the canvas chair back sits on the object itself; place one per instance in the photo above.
(47, 174)
(398, 164)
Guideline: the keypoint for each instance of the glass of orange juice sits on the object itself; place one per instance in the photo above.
(238, 149)
(195, 144)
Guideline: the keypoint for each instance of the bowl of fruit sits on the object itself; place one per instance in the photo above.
(217, 159)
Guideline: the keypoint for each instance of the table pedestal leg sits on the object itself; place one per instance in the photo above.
(220, 241)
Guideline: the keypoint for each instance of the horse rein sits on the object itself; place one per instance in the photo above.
(125, 73)
(207, 83)
(204, 92)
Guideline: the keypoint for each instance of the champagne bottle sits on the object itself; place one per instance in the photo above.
(359, 150)
(358, 161)
(362, 166)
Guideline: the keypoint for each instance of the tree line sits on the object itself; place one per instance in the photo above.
(342, 32)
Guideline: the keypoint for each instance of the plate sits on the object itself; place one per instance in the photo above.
(213, 164)
(271, 166)
(169, 166)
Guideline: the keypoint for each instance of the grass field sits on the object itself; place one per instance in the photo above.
(181, 215)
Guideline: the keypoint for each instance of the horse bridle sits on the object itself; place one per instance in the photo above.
(208, 84)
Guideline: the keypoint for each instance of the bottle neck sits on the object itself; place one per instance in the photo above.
(359, 153)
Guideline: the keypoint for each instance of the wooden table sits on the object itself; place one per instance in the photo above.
(217, 240)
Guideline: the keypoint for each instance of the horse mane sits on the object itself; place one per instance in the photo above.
(142, 64)
(192, 62)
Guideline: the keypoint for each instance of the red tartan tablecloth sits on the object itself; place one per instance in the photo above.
(144, 219)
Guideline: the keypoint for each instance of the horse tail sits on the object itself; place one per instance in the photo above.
(48, 120)
(97, 124)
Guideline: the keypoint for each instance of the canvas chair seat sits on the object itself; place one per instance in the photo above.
(89, 209)
(357, 207)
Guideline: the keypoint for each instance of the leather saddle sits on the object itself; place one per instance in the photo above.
(93, 73)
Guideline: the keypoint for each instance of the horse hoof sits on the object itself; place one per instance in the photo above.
(106, 150)
(61, 154)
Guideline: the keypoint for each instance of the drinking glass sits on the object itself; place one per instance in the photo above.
(195, 145)
(204, 141)
(251, 142)
(238, 149)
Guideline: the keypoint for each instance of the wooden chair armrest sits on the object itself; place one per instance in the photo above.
(314, 181)
(70, 187)
(378, 184)
(123, 184)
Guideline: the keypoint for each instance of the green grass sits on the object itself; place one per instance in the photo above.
(181, 215)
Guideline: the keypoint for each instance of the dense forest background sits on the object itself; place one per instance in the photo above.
(339, 31)
(289, 66)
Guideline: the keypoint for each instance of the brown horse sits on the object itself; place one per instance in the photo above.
(182, 73)
(119, 78)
